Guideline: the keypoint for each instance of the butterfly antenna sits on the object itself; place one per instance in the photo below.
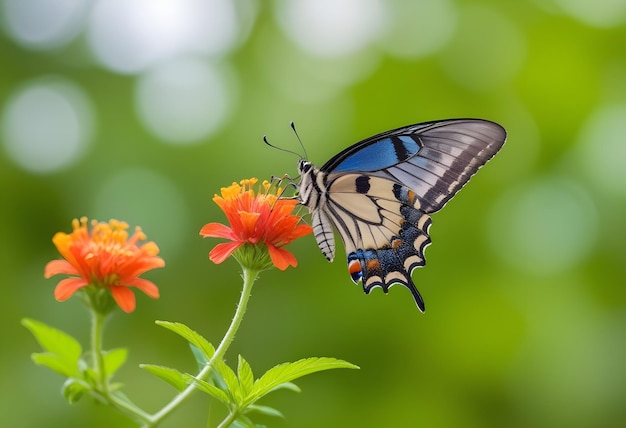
(293, 126)
(279, 148)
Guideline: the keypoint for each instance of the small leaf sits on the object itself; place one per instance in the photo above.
(56, 364)
(287, 385)
(115, 386)
(265, 410)
(246, 377)
(73, 390)
(244, 422)
(63, 351)
(172, 376)
(121, 397)
(287, 372)
(218, 380)
(114, 359)
(230, 379)
(212, 390)
(198, 355)
(91, 377)
(191, 336)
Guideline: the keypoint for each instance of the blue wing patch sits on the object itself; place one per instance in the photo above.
(379, 154)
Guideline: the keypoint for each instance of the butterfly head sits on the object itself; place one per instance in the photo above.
(308, 174)
(304, 166)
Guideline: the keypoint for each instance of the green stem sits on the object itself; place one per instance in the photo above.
(97, 329)
(102, 385)
(228, 420)
(249, 276)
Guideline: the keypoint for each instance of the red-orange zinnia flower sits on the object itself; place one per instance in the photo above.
(261, 219)
(105, 257)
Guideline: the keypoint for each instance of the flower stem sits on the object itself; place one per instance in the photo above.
(102, 385)
(228, 420)
(249, 276)
(97, 328)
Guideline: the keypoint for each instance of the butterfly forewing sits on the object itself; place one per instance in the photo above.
(434, 159)
(378, 194)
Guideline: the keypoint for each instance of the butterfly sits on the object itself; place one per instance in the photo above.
(379, 194)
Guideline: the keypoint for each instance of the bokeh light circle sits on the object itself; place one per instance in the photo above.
(419, 28)
(332, 28)
(598, 13)
(545, 227)
(44, 24)
(47, 125)
(602, 151)
(184, 101)
(129, 37)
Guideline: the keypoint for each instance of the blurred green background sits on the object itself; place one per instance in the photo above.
(141, 110)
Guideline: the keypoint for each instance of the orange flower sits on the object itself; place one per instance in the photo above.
(107, 258)
(262, 220)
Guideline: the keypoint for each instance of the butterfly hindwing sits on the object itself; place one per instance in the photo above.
(379, 193)
(382, 228)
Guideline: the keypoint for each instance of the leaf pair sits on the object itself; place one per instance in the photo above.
(238, 391)
(64, 355)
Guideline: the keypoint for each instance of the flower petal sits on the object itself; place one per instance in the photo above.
(258, 218)
(300, 231)
(56, 267)
(144, 285)
(222, 251)
(217, 230)
(124, 298)
(68, 286)
(139, 266)
(281, 258)
(248, 223)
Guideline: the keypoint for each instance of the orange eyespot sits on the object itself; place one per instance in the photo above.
(356, 272)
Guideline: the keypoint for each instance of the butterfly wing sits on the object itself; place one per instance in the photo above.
(378, 194)
(434, 159)
(383, 232)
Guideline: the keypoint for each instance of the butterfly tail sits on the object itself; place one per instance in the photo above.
(419, 301)
(385, 267)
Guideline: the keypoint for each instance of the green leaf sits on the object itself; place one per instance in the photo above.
(207, 350)
(246, 377)
(286, 372)
(73, 390)
(210, 389)
(91, 377)
(115, 386)
(230, 379)
(62, 350)
(287, 385)
(244, 422)
(56, 364)
(198, 355)
(265, 410)
(191, 336)
(114, 359)
(218, 380)
(172, 376)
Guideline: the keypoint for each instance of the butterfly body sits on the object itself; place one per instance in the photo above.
(379, 193)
